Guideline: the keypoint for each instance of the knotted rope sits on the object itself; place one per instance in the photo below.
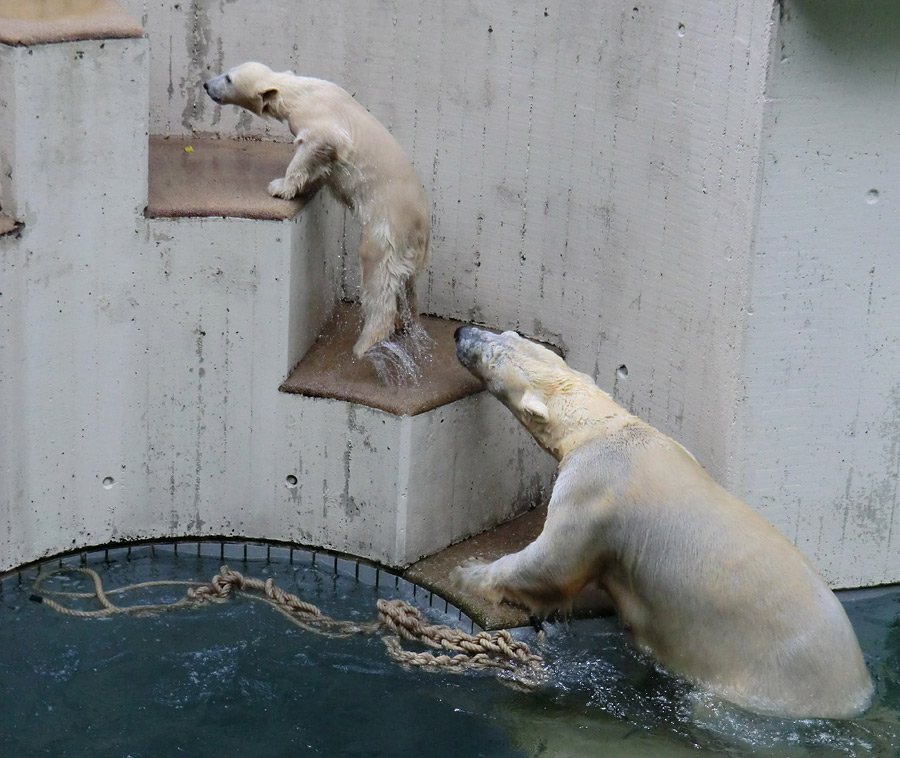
(396, 621)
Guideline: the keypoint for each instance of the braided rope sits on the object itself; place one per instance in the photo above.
(397, 621)
(482, 650)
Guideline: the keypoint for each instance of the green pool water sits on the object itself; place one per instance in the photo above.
(238, 679)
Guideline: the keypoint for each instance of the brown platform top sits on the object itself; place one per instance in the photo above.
(38, 22)
(7, 225)
(192, 176)
(433, 573)
(329, 369)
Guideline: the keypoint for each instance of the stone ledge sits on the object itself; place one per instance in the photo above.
(39, 22)
(433, 573)
(330, 370)
(200, 177)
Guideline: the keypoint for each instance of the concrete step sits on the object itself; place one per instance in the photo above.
(339, 459)
(434, 573)
(201, 177)
(89, 150)
(329, 369)
(39, 22)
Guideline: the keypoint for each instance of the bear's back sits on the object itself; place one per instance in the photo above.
(718, 595)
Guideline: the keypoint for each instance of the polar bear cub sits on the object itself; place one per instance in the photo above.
(707, 587)
(340, 144)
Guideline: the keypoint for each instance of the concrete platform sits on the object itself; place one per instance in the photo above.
(329, 369)
(191, 177)
(38, 22)
(433, 573)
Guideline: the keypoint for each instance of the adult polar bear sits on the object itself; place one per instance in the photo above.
(705, 584)
(339, 143)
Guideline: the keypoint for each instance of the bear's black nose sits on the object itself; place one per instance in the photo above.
(460, 333)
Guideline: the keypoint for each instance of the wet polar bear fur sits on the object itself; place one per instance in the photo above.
(340, 144)
(706, 586)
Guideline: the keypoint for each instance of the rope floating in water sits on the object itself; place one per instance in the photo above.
(396, 621)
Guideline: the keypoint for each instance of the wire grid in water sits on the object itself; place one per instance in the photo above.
(223, 678)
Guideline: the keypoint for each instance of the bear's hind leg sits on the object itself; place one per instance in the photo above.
(381, 287)
(409, 311)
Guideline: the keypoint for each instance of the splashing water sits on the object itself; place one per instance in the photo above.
(399, 359)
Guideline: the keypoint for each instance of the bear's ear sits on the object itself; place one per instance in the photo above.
(268, 97)
(535, 407)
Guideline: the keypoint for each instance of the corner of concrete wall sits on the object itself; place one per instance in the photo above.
(8, 131)
(820, 420)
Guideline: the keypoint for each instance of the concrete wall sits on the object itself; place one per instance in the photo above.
(140, 359)
(593, 166)
(693, 198)
(819, 422)
(72, 360)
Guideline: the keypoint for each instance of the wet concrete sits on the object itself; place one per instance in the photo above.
(191, 176)
(330, 370)
(37, 22)
(433, 573)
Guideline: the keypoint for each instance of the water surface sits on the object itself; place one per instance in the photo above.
(237, 678)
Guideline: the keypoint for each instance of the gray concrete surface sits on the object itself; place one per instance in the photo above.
(695, 199)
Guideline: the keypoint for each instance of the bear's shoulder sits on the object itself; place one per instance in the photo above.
(613, 451)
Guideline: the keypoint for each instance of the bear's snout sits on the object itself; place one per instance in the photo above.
(466, 339)
(473, 346)
(214, 88)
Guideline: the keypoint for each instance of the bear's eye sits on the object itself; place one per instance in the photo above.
(228, 78)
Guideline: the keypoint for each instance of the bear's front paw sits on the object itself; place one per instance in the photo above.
(280, 188)
(474, 577)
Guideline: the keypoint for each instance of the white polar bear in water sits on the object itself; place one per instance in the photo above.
(706, 586)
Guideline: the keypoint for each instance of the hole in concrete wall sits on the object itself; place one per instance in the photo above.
(290, 481)
(109, 482)
(622, 371)
(872, 196)
(680, 30)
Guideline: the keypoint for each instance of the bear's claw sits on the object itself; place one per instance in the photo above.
(474, 576)
(279, 188)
